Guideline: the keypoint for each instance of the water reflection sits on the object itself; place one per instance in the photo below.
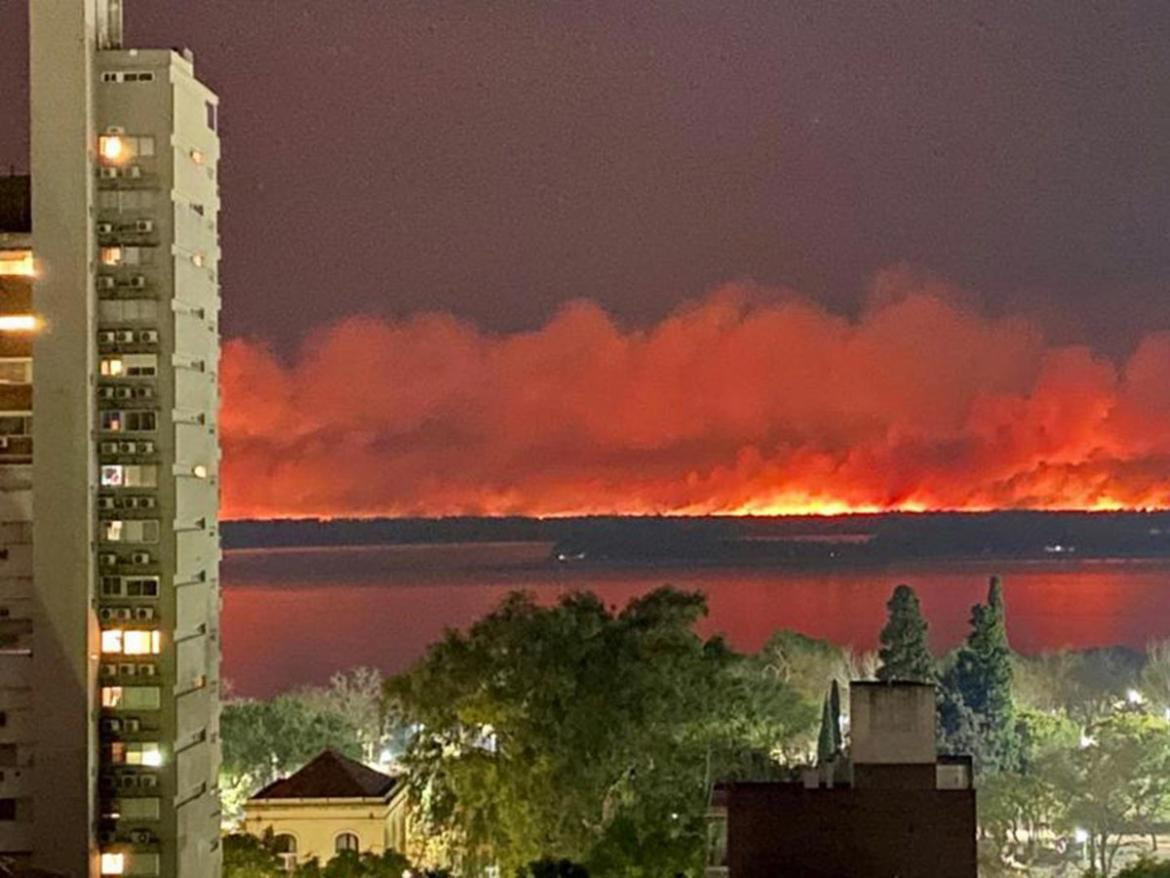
(295, 616)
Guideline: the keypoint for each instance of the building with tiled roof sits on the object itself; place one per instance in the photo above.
(332, 804)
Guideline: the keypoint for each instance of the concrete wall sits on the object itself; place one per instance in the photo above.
(891, 724)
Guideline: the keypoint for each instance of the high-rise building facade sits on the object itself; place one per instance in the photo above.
(109, 460)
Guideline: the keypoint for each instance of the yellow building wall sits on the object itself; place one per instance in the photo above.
(316, 823)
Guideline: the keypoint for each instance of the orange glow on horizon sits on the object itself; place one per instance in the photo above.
(748, 402)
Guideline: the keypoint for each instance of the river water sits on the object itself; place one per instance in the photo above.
(295, 616)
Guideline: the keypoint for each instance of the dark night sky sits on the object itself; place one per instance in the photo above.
(497, 159)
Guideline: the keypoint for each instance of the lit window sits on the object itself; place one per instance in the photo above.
(18, 323)
(113, 864)
(111, 696)
(112, 422)
(16, 263)
(347, 841)
(112, 642)
(129, 476)
(129, 366)
(131, 698)
(141, 643)
(112, 367)
(113, 148)
(146, 753)
(113, 476)
(115, 641)
(111, 255)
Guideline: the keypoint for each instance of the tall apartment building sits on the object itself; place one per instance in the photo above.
(109, 547)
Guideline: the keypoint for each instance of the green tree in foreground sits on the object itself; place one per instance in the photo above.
(905, 654)
(576, 731)
(977, 711)
(1146, 869)
(246, 856)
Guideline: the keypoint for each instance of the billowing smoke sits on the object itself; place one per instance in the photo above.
(745, 401)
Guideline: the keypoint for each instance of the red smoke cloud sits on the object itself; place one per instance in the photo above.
(741, 402)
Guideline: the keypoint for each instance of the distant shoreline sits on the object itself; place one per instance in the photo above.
(801, 542)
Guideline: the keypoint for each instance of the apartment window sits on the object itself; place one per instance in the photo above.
(141, 586)
(131, 697)
(115, 257)
(112, 587)
(145, 753)
(116, 641)
(137, 809)
(117, 149)
(129, 475)
(112, 422)
(120, 531)
(212, 115)
(113, 864)
(129, 366)
(7, 809)
(141, 422)
(15, 371)
(127, 310)
(15, 426)
(347, 841)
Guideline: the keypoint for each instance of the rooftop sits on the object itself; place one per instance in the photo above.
(15, 205)
(330, 776)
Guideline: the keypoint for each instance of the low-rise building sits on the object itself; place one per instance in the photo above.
(892, 809)
(333, 804)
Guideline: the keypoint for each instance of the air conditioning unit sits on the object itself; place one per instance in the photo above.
(147, 781)
(146, 447)
(125, 336)
(105, 282)
(141, 836)
(127, 669)
(138, 282)
(144, 614)
(127, 781)
(107, 336)
(133, 725)
(107, 836)
(134, 171)
(3, 443)
(140, 557)
(144, 392)
(148, 336)
(108, 559)
(115, 129)
(146, 503)
(125, 613)
(124, 393)
(107, 614)
(105, 228)
(148, 670)
(105, 393)
(109, 173)
(109, 448)
(144, 226)
(109, 670)
(111, 725)
(106, 503)
(126, 448)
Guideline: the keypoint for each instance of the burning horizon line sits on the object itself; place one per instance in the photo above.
(743, 402)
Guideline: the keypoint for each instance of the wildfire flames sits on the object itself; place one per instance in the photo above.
(743, 402)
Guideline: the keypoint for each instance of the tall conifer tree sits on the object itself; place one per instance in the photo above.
(905, 654)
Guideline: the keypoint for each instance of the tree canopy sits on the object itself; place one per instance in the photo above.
(905, 653)
(577, 731)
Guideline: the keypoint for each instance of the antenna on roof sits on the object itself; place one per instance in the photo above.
(109, 24)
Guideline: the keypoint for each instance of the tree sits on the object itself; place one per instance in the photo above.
(263, 740)
(549, 868)
(1155, 677)
(977, 712)
(904, 653)
(1118, 783)
(580, 732)
(247, 856)
(1145, 868)
(358, 696)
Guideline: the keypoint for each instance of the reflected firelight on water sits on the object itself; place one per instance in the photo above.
(293, 617)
